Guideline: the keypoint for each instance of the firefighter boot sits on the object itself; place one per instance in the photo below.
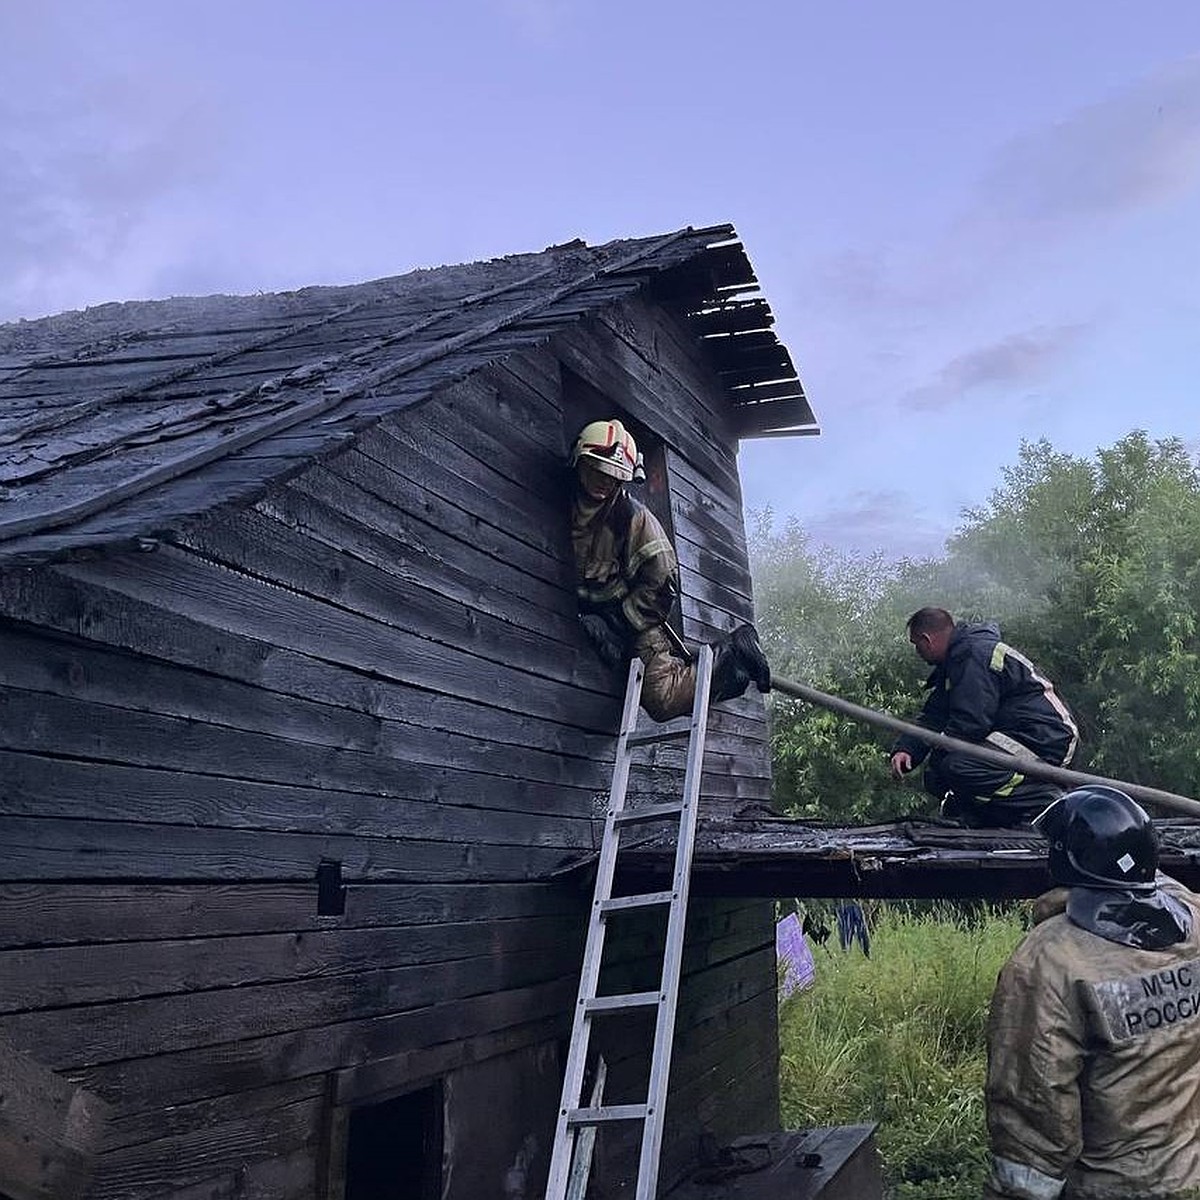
(729, 676)
(745, 641)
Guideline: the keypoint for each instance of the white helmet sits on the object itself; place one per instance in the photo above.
(609, 447)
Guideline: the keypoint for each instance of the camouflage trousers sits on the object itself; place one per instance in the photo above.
(669, 684)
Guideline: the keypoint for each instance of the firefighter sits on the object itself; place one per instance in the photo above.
(1093, 1084)
(627, 580)
(983, 690)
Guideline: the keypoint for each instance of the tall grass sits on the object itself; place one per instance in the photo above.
(899, 1038)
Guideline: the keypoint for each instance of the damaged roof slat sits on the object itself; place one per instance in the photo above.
(98, 407)
(918, 858)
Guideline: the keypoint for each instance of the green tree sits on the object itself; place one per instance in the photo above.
(832, 621)
(1090, 565)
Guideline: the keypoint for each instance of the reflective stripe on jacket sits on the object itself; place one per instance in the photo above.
(624, 560)
(985, 690)
(1093, 1088)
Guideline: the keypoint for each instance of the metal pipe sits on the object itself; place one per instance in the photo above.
(1034, 767)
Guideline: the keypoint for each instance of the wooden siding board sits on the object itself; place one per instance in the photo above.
(63, 976)
(42, 724)
(166, 1024)
(308, 566)
(286, 1177)
(389, 470)
(71, 914)
(505, 436)
(241, 604)
(139, 1172)
(74, 606)
(354, 1085)
(445, 470)
(493, 810)
(220, 1068)
(127, 1130)
(344, 517)
(52, 849)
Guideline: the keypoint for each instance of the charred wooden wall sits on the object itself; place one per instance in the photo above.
(376, 668)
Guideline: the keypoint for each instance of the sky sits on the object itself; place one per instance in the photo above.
(976, 224)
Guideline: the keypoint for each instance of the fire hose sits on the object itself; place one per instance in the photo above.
(1028, 764)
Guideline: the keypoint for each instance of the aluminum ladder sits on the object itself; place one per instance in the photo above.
(572, 1118)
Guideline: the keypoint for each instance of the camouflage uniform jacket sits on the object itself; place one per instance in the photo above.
(1093, 1088)
(624, 561)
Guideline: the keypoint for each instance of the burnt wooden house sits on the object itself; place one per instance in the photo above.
(299, 728)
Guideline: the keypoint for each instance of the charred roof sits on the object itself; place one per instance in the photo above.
(127, 421)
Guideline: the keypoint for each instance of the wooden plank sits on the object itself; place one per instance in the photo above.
(68, 914)
(693, 486)
(152, 1125)
(47, 849)
(451, 473)
(174, 1162)
(42, 724)
(73, 672)
(286, 1177)
(503, 432)
(148, 1082)
(343, 516)
(354, 1085)
(168, 1024)
(769, 415)
(250, 607)
(425, 502)
(314, 568)
(50, 1130)
(74, 606)
(73, 975)
(434, 804)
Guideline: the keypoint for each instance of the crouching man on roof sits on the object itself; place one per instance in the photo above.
(983, 690)
(1093, 1084)
(627, 579)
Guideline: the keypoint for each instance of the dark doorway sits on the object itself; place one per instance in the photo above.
(394, 1149)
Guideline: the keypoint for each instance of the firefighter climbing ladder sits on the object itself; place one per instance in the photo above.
(572, 1118)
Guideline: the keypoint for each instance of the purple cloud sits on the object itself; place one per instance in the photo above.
(1019, 360)
(1137, 147)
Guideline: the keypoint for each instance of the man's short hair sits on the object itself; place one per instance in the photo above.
(929, 620)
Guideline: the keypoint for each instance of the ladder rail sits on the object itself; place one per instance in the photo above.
(571, 1117)
(664, 1030)
(593, 953)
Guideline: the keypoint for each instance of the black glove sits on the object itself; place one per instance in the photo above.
(604, 638)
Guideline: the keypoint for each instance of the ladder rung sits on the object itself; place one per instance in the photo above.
(646, 900)
(623, 1000)
(648, 812)
(609, 1112)
(649, 739)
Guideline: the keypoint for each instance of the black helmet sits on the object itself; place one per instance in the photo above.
(1100, 838)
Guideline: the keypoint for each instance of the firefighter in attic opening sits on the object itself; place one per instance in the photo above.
(627, 579)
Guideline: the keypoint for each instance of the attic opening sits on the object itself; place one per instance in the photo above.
(394, 1148)
(582, 402)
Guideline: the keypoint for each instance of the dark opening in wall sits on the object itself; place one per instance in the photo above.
(583, 403)
(394, 1149)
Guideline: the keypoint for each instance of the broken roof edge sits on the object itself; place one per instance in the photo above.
(709, 264)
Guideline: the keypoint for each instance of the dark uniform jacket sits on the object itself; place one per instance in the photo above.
(985, 691)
